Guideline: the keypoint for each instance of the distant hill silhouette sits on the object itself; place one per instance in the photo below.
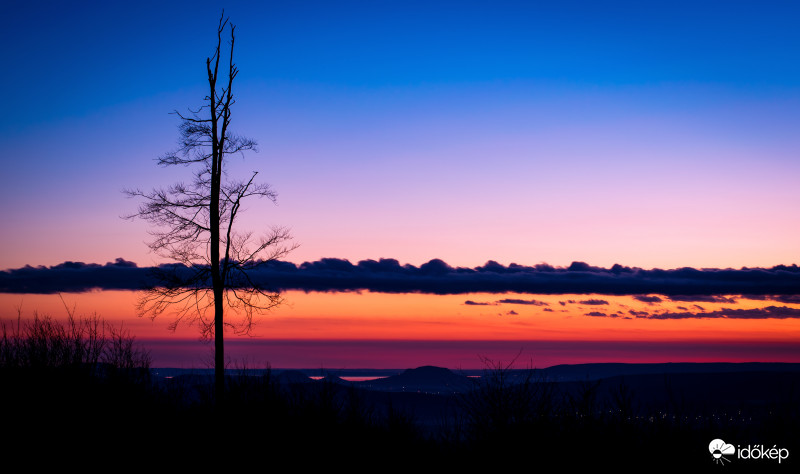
(431, 379)
(567, 372)
(428, 379)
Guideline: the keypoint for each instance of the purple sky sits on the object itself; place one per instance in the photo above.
(656, 136)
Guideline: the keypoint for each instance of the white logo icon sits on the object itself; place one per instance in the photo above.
(718, 449)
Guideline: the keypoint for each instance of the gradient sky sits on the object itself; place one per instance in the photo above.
(654, 134)
(650, 134)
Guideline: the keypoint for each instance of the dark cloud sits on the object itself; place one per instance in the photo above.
(594, 302)
(702, 299)
(74, 277)
(478, 303)
(435, 277)
(648, 299)
(599, 314)
(756, 297)
(528, 302)
(770, 312)
(512, 313)
(788, 299)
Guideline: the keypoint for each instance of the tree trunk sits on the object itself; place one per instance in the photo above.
(216, 280)
(214, 221)
(219, 350)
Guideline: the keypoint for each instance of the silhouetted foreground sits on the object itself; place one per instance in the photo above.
(82, 393)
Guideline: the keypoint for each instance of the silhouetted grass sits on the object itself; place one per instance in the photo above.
(87, 344)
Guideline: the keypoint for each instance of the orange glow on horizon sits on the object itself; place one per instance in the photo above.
(378, 316)
(407, 330)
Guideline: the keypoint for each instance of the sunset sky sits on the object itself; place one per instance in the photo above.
(646, 134)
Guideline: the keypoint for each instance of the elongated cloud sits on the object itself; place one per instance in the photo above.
(770, 312)
(75, 277)
(649, 299)
(478, 303)
(437, 277)
(593, 302)
(702, 298)
(525, 302)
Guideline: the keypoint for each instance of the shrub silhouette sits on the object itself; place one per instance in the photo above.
(505, 406)
(87, 344)
(70, 381)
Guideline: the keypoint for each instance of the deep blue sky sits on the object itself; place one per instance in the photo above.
(70, 58)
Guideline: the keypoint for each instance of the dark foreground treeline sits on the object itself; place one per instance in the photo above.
(82, 392)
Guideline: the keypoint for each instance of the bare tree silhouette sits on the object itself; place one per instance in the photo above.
(194, 224)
